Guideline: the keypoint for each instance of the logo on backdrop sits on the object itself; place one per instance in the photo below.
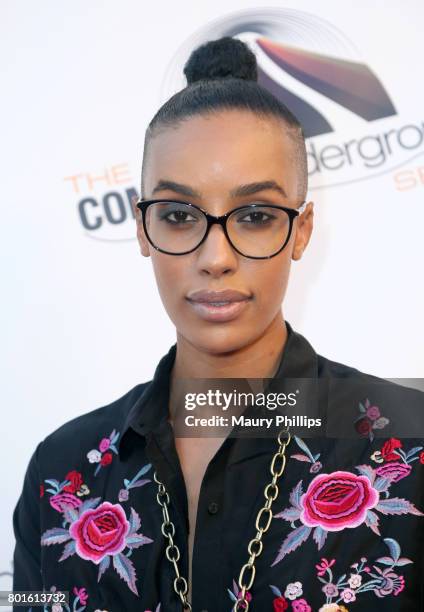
(353, 128)
(103, 202)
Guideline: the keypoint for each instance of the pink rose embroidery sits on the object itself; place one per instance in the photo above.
(104, 444)
(99, 532)
(394, 471)
(373, 412)
(338, 500)
(61, 500)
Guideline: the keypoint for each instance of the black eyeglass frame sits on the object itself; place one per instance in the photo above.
(221, 220)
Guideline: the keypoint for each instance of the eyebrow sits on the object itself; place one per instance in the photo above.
(241, 190)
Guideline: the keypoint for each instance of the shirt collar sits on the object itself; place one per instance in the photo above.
(299, 360)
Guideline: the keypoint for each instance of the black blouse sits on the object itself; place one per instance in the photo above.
(347, 532)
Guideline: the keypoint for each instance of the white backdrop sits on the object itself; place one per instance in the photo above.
(80, 82)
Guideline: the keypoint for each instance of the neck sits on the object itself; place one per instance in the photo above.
(259, 359)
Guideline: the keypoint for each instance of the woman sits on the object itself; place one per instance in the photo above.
(124, 514)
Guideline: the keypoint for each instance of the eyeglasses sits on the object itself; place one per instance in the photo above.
(257, 231)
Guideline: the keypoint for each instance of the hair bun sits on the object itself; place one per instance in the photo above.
(221, 58)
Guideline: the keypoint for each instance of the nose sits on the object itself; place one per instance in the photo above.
(216, 256)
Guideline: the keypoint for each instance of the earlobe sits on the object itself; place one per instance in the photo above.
(142, 241)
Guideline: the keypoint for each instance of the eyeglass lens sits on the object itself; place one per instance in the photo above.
(255, 232)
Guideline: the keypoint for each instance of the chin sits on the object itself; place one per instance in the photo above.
(220, 339)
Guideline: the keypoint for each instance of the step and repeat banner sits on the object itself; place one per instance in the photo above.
(83, 321)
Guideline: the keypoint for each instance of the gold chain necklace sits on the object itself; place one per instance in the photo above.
(255, 546)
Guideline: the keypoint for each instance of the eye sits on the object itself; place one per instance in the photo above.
(177, 217)
(255, 217)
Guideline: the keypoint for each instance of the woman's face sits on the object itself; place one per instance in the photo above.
(212, 156)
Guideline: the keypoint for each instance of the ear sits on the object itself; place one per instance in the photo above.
(141, 235)
(303, 231)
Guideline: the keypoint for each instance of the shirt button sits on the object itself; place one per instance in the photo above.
(212, 509)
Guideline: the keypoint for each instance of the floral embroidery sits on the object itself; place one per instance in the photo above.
(398, 464)
(81, 597)
(234, 594)
(383, 581)
(62, 493)
(392, 451)
(389, 452)
(100, 533)
(307, 456)
(369, 419)
(338, 500)
(103, 455)
(124, 493)
(341, 499)
(293, 592)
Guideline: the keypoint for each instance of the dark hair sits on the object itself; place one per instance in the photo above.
(222, 74)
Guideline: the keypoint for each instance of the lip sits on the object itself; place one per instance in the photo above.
(219, 305)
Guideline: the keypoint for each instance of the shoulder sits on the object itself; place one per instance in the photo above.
(330, 368)
(74, 438)
(351, 392)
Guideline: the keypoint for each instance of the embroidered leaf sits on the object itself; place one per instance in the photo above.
(393, 547)
(414, 450)
(362, 407)
(126, 570)
(53, 483)
(403, 561)
(367, 403)
(231, 594)
(295, 495)
(292, 541)
(316, 457)
(112, 434)
(301, 444)
(371, 585)
(68, 551)
(300, 457)
(372, 521)
(57, 535)
(319, 536)
(289, 514)
(382, 484)
(139, 483)
(89, 504)
(137, 539)
(385, 560)
(135, 521)
(54, 491)
(275, 590)
(235, 587)
(103, 565)
(65, 483)
(367, 471)
(397, 505)
(126, 482)
(400, 452)
(70, 513)
(113, 448)
(340, 580)
(143, 471)
(114, 438)
(96, 471)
